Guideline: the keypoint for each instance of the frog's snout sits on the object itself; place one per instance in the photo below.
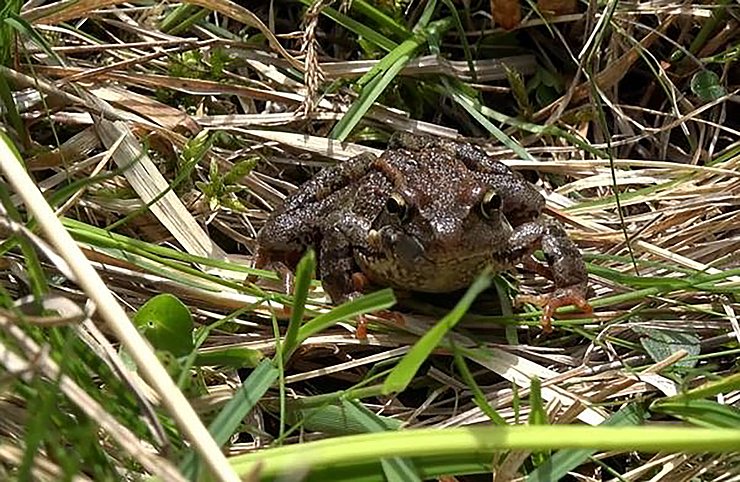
(398, 244)
(447, 234)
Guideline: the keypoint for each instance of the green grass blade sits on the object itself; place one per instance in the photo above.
(364, 448)
(303, 276)
(379, 300)
(406, 369)
(704, 413)
(381, 75)
(710, 388)
(473, 108)
(380, 19)
(564, 461)
(230, 418)
(394, 468)
(478, 395)
(370, 34)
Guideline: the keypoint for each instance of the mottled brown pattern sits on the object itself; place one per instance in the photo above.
(428, 215)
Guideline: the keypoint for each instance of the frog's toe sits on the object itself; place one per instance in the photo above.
(394, 317)
(570, 295)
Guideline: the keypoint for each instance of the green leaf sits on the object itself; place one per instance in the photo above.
(335, 420)
(706, 85)
(167, 323)
(406, 369)
(660, 344)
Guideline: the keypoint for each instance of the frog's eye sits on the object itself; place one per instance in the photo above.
(490, 204)
(396, 205)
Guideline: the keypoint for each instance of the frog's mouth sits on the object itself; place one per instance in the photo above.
(406, 249)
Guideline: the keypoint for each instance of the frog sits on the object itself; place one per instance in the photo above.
(429, 214)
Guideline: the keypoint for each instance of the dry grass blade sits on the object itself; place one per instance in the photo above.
(154, 190)
(114, 315)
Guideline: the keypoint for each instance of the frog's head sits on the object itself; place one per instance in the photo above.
(437, 212)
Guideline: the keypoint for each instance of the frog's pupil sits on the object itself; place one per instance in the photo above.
(395, 206)
(491, 202)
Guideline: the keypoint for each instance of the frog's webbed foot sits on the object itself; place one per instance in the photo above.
(565, 266)
(569, 295)
(267, 261)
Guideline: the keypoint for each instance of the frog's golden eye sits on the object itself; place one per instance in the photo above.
(396, 205)
(490, 204)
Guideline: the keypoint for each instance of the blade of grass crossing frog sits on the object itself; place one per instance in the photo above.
(379, 300)
(430, 442)
(563, 461)
(303, 275)
(406, 369)
(230, 417)
(478, 396)
(394, 468)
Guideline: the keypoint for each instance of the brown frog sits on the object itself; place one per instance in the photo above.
(427, 215)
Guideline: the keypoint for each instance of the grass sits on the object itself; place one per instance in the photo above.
(143, 145)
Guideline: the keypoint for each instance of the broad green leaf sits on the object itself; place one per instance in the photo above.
(660, 344)
(237, 357)
(394, 468)
(706, 85)
(167, 323)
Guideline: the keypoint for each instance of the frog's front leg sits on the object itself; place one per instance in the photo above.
(341, 278)
(565, 265)
(337, 267)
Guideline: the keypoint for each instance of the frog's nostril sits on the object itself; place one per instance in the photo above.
(447, 232)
